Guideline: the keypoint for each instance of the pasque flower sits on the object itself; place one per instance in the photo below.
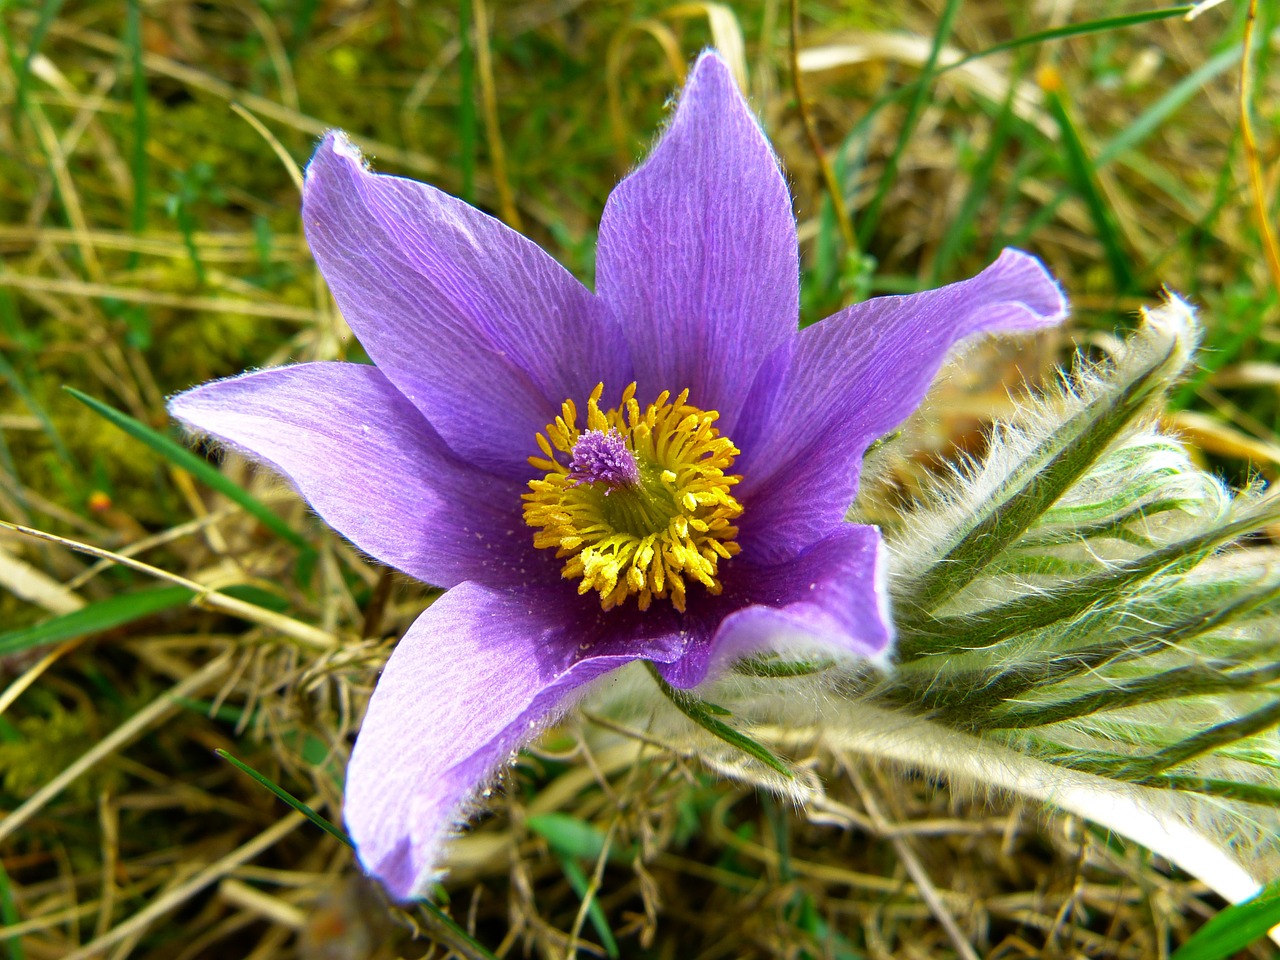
(657, 470)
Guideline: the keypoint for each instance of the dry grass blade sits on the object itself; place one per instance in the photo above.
(492, 126)
(199, 80)
(1253, 163)
(32, 673)
(25, 581)
(102, 291)
(204, 596)
(185, 891)
(726, 33)
(154, 712)
(928, 892)
(835, 192)
(150, 238)
(295, 173)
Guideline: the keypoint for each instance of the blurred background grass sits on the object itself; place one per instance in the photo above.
(150, 236)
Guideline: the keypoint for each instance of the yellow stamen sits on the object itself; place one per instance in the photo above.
(647, 538)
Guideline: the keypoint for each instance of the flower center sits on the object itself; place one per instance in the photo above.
(642, 504)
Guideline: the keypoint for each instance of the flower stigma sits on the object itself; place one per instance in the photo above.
(643, 502)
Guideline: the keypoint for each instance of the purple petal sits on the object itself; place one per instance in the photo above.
(698, 258)
(372, 467)
(851, 379)
(832, 598)
(478, 675)
(477, 326)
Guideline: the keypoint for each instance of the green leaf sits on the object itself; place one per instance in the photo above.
(181, 457)
(1234, 928)
(578, 880)
(568, 835)
(1207, 741)
(969, 696)
(1245, 792)
(9, 914)
(1040, 481)
(775, 668)
(988, 627)
(1180, 683)
(703, 714)
(95, 618)
(117, 611)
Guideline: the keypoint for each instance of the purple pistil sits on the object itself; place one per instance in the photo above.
(600, 457)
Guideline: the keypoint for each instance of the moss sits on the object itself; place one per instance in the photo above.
(49, 744)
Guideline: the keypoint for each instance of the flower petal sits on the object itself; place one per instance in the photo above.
(833, 598)
(371, 466)
(476, 677)
(698, 258)
(851, 379)
(477, 326)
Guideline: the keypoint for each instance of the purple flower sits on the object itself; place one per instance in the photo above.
(656, 470)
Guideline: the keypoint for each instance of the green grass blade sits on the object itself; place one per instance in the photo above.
(1083, 176)
(9, 374)
(573, 839)
(568, 834)
(136, 318)
(303, 14)
(442, 928)
(871, 216)
(180, 456)
(1141, 128)
(9, 914)
(1160, 111)
(958, 230)
(1234, 928)
(918, 88)
(116, 612)
(288, 798)
(48, 13)
(95, 618)
(1074, 30)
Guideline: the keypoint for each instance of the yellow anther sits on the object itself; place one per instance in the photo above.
(623, 538)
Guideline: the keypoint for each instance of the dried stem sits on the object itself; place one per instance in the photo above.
(811, 131)
(1270, 246)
